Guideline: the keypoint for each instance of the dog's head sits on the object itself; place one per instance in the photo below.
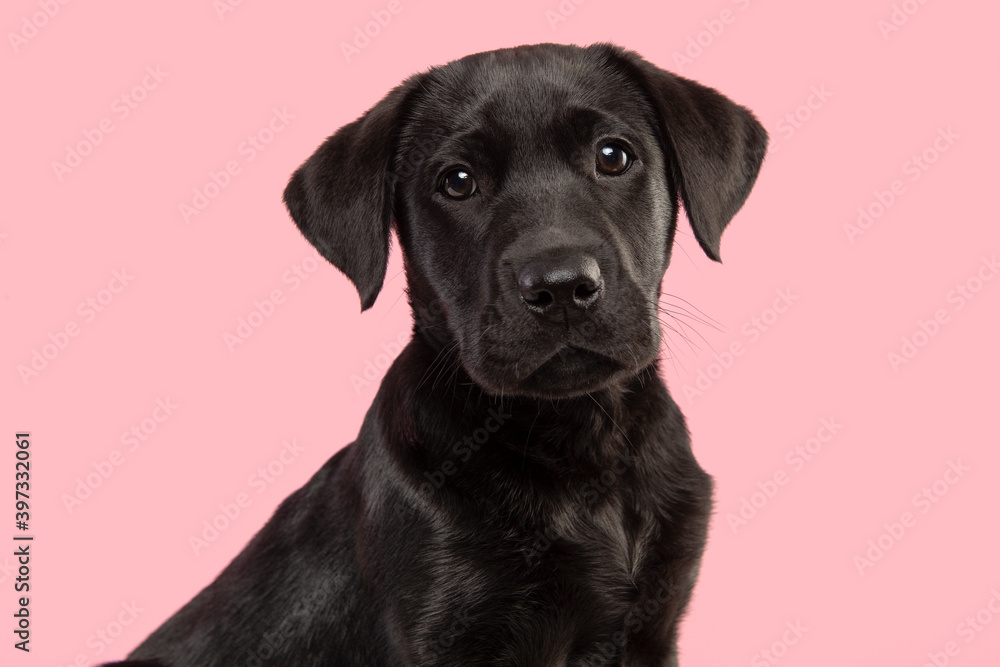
(534, 191)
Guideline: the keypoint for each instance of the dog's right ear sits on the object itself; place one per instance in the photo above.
(718, 145)
(341, 197)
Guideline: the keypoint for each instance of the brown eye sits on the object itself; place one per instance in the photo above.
(458, 184)
(613, 160)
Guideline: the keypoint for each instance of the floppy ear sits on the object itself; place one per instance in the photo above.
(341, 197)
(717, 144)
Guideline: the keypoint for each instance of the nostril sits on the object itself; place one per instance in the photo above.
(533, 290)
(540, 299)
(569, 281)
(585, 291)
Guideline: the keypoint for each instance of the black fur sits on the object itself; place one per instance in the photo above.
(522, 491)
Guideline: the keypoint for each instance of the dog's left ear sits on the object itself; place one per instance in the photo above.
(341, 197)
(718, 146)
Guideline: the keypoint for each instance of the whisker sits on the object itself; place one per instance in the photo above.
(700, 312)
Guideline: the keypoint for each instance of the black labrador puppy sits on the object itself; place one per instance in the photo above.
(522, 491)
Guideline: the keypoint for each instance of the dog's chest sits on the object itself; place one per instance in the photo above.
(570, 589)
(590, 572)
(606, 541)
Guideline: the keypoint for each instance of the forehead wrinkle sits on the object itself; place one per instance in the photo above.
(455, 94)
(592, 117)
(536, 114)
(505, 108)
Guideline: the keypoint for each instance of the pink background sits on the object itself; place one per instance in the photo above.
(877, 100)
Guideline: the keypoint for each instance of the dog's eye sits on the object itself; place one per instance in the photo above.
(458, 184)
(613, 160)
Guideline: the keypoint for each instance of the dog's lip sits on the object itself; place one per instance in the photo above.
(570, 370)
(572, 347)
(567, 353)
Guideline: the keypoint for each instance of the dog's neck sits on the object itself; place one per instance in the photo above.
(514, 457)
(591, 430)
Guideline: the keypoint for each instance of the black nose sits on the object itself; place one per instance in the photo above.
(567, 281)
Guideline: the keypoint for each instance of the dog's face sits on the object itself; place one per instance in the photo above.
(535, 195)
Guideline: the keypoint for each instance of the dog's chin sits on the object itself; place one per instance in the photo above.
(568, 372)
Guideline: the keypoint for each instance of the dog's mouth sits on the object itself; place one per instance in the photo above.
(508, 355)
(570, 359)
(570, 370)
